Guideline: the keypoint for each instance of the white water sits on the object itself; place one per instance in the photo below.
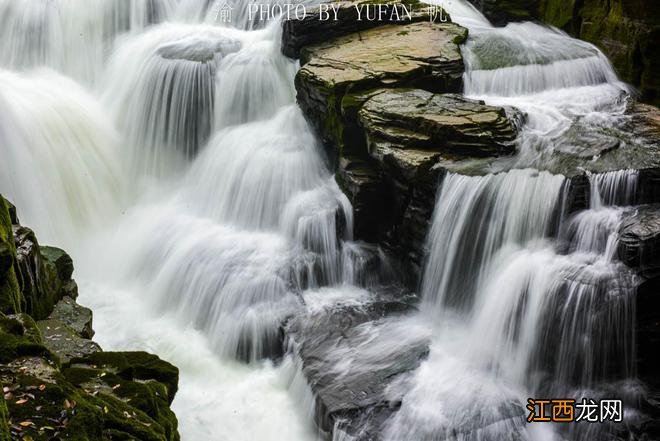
(188, 188)
(526, 302)
(197, 218)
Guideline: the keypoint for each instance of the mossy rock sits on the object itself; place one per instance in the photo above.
(44, 405)
(105, 396)
(136, 366)
(84, 403)
(625, 30)
(75, 316)
(336, 72)
(11, 298)
(39, 280)
(60, 259)
(298, 33)
(19, 337)
(65, 342)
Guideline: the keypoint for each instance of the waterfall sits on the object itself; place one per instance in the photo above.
(165, 151)
(527, 300)
(178, 150)
(503, 292)
(70, 36)
(475, 217)
(59, 155)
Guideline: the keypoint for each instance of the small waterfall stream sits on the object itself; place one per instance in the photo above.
(167, 154)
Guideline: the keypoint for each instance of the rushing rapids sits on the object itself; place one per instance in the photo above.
(165, 150)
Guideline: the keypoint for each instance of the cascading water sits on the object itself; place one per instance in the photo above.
(51, 124)
(211, 200)
(70, 36)
(210, 217)
(527, 302)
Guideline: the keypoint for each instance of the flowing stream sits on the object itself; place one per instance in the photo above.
(167, 155)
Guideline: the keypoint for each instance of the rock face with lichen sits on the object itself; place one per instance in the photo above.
(57, 383)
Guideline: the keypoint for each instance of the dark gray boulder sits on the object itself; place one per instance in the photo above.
(347, 357)
(639, 240)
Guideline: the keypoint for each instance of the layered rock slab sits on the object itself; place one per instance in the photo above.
(423, 54)
(412, 119)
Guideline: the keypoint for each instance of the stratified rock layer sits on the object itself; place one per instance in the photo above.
(425, 55)
(445, 123)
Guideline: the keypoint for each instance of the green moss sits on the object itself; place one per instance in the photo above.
(60, 259)
(19, 337)
(558, 13)
(11, 299)
(136, 407)
(136, 366)
(4, 420)
(52, 405)
(121, 417)
(90, 404)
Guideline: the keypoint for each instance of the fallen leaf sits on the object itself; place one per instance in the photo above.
(116, 386)
(26, 423)
(42, 387)
(22, 401)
